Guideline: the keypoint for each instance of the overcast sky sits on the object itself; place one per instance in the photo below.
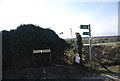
(61, 15)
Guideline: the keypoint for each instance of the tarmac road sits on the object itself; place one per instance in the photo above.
(104, 78)
(56, 72)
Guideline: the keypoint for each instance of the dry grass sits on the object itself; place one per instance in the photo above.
(115, 69)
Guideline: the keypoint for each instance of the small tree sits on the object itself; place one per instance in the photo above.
(80, 45)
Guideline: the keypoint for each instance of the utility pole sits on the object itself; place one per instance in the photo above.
(72, 39)
(71, 33)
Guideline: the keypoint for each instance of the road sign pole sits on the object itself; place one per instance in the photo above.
(90, 40)
(90, 47)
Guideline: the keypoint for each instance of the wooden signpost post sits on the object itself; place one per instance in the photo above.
(41, 52)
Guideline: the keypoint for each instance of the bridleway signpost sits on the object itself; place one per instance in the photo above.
(43, 51)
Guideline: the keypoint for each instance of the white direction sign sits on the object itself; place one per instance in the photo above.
(42, 51)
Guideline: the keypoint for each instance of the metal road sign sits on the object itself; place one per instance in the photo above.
(42, 51)
(84, 26)
(85, 33)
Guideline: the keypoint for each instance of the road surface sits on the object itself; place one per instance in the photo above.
(105, 77)
(110, 43)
